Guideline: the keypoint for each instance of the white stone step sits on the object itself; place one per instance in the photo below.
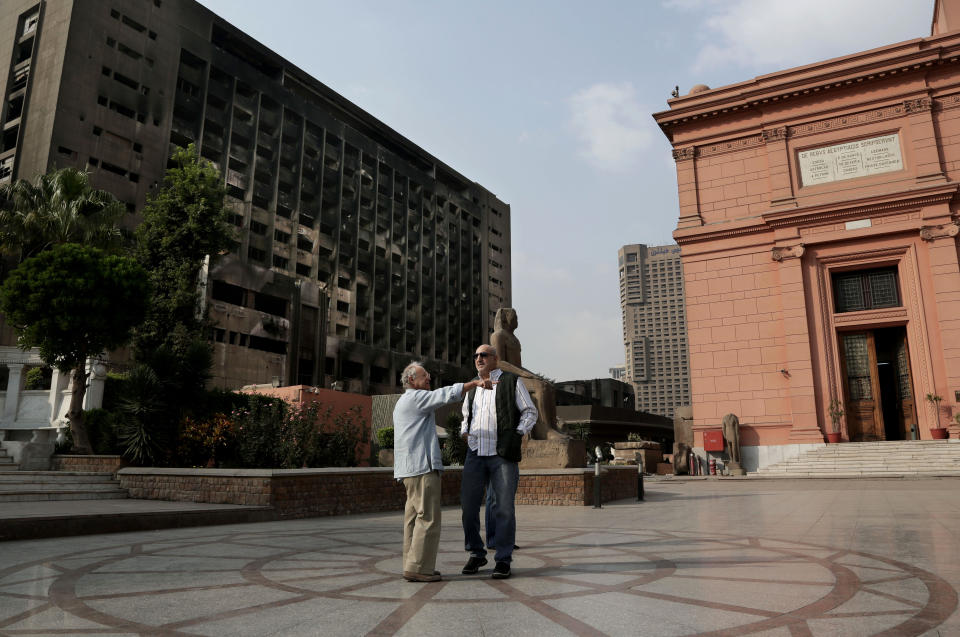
(54, 476)
(27, 486)
(37, 496)
(900, 458)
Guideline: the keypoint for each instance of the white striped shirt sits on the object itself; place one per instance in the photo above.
(483, 430)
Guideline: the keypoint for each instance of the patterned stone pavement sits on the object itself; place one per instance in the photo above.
(775, 558)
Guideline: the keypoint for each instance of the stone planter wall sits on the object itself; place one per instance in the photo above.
(299, 493)
(574, 487)
(92, 463)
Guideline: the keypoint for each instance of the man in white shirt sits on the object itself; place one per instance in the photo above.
(495, 420)
(417, 462)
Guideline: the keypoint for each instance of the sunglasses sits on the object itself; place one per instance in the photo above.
(483, 354)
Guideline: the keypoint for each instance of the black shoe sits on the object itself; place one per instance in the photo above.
(473, 565)
(501, 570)
(493, 548)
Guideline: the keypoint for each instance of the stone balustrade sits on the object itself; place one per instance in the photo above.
(31, 419)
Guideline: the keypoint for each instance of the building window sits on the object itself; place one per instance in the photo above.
(30, 24)
(866, 290)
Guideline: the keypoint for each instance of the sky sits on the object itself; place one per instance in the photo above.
(548, 104)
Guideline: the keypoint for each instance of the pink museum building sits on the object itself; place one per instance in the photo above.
(819, 236)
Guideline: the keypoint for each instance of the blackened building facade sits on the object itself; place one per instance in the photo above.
(357, 250)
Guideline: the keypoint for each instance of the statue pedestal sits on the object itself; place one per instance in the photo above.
(554, 454)
(734, 468)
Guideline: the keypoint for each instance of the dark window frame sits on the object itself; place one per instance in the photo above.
(866, 280)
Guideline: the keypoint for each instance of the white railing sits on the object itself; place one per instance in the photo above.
(31, 419)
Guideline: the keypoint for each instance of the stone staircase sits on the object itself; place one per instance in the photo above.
(873, 459)
(6, 461)
(34, 486)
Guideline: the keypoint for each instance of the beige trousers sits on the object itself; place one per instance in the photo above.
(421, 523)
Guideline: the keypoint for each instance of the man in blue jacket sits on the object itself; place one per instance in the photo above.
(418, 463)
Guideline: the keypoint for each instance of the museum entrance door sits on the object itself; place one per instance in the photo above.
(877, 387)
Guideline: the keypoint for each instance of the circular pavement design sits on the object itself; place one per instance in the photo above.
(579, 581)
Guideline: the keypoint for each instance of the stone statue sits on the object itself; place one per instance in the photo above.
(731, 439)
(681, 458)
(503, 339)
(541, 391)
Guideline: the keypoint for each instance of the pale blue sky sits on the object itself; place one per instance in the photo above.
(548, 104)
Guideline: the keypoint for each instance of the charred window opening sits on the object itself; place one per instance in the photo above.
(268, 345)
(232, 43)
(263, 302)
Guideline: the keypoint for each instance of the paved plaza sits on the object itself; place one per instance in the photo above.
(746, 557)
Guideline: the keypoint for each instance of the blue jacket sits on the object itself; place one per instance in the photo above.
(416, 449)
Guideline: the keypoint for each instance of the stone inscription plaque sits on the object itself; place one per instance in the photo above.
(848, 161)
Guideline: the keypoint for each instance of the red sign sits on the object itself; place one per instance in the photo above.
(713, 440)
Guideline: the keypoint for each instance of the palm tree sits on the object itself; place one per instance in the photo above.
(60, 207)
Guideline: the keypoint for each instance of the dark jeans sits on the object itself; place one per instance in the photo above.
(502, 477)
(490, 518)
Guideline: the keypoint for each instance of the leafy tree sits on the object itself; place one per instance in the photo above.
(60, 207)
(185, 222)
(74, 302)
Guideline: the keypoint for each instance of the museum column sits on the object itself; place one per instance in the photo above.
(14, 386)
(798, 365)
(942, 251)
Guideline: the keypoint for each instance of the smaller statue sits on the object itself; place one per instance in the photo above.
(681, 458)
(731, 440)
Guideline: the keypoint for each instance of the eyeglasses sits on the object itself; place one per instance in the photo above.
(483, 354)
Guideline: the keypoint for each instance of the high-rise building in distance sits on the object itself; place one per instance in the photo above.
(654, 327)
(357, 250)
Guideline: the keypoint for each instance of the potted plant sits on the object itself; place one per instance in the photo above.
(836, 413)
(385, 442)
(938, 433)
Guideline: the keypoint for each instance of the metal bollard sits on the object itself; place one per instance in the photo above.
(640, 481)
(596, 481)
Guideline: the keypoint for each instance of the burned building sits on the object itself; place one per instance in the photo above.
(356, 250)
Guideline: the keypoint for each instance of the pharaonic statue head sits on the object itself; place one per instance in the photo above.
(506, 319)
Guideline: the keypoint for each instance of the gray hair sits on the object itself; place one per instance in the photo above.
(492, 350)
(409, 373)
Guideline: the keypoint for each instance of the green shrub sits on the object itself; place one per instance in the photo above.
(271, 434)
(38, 378)
(143, 433)
(205, 442)
(102, 430)
(113, 388)
(385, 438)
(454, 447)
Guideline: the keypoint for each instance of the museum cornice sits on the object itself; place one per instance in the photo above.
(841, 210)
(905, 57)
(875, 206)
(833, 122)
